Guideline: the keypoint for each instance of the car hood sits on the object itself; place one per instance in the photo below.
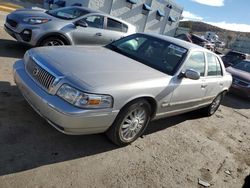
(26, 13)
(95, 66)
(239, 73)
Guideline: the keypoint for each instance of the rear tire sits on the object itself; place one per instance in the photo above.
(213, 107)
(130, 123)
(52, 41)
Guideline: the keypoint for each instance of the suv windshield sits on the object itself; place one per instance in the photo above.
(151, 51)
(68, 13)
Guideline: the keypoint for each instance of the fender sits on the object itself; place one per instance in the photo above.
(54, 34)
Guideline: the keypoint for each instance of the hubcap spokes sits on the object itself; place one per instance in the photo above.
(133, 123)
(53, 43)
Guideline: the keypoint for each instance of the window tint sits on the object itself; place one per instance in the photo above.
(214, 68)
(116, 26)
(158, 54)
(196, 62)
(94, 21)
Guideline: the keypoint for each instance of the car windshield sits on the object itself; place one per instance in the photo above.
(151, 51)
(68, 13)
(243, 65)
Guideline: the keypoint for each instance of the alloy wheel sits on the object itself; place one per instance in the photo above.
(133, 124)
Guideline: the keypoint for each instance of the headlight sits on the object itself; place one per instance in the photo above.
(26, 57)
(84, 100)
(36, 20)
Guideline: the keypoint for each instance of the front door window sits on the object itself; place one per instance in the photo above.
(95, 21)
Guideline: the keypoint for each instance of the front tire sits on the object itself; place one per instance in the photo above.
(52, 41)
(130, 123)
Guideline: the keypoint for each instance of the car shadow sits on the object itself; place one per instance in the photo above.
(27, 141)
(247, 182)
(165, 123)
(12, 49)
(236, 102)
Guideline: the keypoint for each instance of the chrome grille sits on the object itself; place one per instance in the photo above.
(43, 77)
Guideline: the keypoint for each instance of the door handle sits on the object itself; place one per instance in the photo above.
(221, 84)
(98, 34)
(203, 86)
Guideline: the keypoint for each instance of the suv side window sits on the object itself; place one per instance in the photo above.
(214, 67)
(116, 26)
(94, 21)
(196, 61)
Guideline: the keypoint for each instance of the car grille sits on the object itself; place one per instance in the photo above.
(11, 22)
(43, 77)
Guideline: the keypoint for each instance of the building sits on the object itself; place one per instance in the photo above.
(156, 16)
(182, 30)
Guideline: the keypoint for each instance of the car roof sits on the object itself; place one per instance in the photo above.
(177, 41)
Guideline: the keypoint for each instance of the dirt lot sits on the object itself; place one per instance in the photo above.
(174, 152)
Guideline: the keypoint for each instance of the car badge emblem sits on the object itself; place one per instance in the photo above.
(35, 71)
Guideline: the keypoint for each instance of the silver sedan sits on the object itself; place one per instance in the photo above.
(120, 87)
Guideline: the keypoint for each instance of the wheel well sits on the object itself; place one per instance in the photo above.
(224, 92)
(150, 100)
(56, 35)
(153, 105)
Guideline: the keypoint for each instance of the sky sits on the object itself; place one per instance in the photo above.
(227, 14)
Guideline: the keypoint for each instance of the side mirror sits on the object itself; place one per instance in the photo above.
(191, 74)
(81, 23)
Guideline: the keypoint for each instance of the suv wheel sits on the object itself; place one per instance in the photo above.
(52, 41)
(130, 123)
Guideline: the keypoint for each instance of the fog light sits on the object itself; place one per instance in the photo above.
(26, 32)
(26, 35)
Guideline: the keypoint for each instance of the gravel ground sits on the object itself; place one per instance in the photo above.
(175, 152)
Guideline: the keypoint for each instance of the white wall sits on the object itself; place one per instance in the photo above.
(102, 5)
(134, 15)
(153, 25)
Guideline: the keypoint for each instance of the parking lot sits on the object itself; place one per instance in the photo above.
(174, 152)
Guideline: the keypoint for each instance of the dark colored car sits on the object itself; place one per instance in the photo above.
(233, 57)
(241, 78)
(196, 40)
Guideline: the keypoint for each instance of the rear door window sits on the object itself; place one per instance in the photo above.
(116, 26)
(214, 67)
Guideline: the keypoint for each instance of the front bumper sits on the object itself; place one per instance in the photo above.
(22, 36)
(19, 33)
(60, 114)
